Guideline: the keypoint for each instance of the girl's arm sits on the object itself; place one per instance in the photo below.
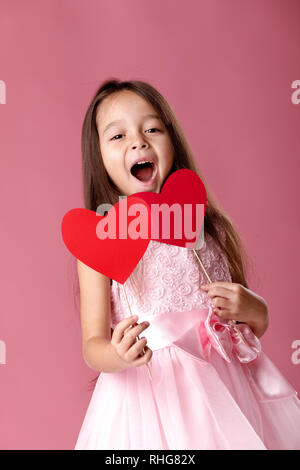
(260, 326)
(97, 350)
(235, 302)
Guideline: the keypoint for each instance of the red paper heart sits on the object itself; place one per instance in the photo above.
(117, 257)
(182, 187)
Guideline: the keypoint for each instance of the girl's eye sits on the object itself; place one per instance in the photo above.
(153, 128)
(113, 138)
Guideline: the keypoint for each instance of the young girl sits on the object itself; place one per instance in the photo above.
(203, 393)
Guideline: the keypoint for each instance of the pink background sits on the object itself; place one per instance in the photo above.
(226, 68)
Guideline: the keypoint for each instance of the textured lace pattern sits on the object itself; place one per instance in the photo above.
(168, 278)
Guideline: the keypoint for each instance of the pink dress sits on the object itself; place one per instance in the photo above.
(208, 390)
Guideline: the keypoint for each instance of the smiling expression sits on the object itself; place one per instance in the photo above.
(136, 137)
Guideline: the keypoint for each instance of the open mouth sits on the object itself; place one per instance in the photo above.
(144, 171)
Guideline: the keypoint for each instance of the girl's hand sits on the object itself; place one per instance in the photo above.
(235, 302)
(127, 346)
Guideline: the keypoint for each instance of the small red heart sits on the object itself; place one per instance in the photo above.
(182, 187)
(116, 257)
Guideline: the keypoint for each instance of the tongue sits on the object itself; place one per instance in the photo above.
(143, 174)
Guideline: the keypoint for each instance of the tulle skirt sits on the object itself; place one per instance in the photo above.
(190, 403)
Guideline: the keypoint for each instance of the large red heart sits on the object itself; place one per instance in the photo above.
(116, 257)
(183, 187)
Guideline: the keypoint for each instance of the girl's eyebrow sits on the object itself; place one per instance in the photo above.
(118, 121)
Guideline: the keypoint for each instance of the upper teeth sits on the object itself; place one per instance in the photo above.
(139, 163)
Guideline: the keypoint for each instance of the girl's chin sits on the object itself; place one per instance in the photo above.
(147, 189)
(140, 188)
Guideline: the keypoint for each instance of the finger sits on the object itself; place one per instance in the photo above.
(137, 328)
(129, 328)
(122, 325)
(136, 349)
(221, 302)
(223, 313)
(231, 286)
(220, 291)
(144, 359)
(130, 337)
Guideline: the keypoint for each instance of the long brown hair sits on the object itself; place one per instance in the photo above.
(98, 188)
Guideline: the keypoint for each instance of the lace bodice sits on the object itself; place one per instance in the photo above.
(168, 278)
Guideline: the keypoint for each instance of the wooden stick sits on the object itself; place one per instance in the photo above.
(149, 372)
(231, 321)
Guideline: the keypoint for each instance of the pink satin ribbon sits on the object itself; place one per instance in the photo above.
(220, 334)
(265, 378)
(188, 328)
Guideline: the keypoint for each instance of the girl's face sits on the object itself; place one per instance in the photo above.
(135, 136)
